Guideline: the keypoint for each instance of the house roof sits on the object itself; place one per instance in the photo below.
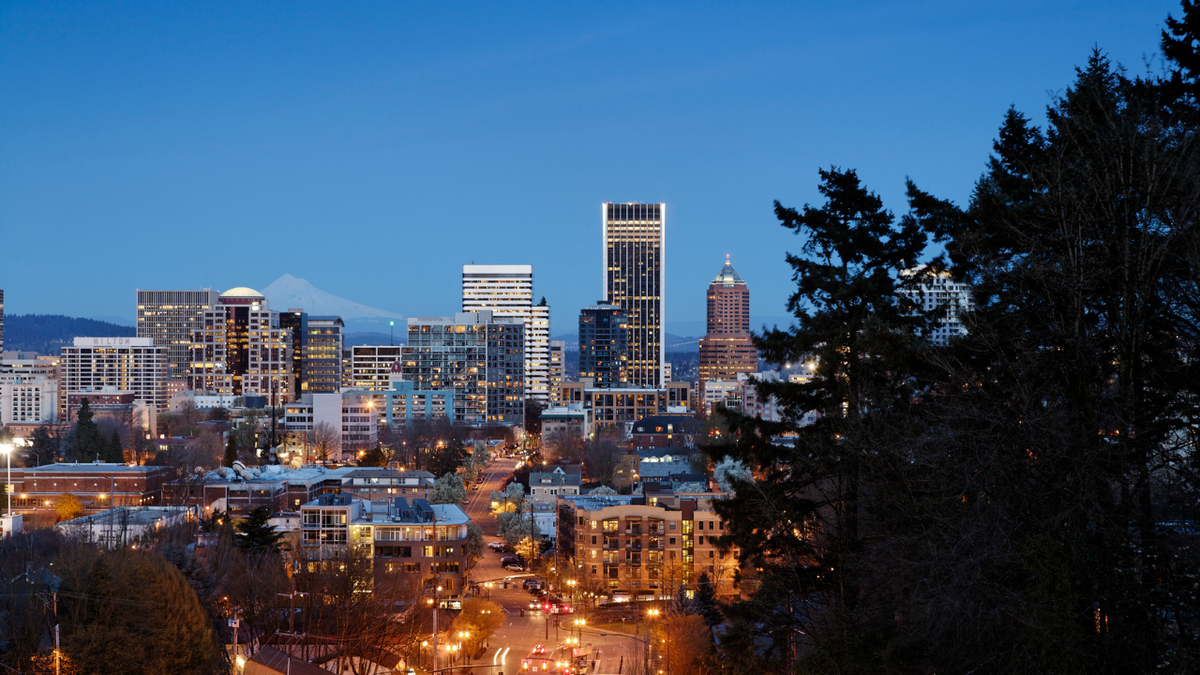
(271, 660)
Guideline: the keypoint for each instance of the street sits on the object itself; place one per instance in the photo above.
(524, 629)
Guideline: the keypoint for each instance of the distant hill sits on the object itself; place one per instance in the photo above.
(48, 333)
(356, 339)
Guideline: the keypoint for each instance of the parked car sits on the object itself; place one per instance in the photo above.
(496, 545)
(514, 567)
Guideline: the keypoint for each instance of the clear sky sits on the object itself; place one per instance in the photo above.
(374, 148)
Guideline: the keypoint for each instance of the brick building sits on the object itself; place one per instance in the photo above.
(99, 486)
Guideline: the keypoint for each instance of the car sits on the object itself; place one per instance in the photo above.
(479, 480)
(474, 487)
(532, 584)
(466, 501)
(539, 649)
(514, 567)
(496, 545)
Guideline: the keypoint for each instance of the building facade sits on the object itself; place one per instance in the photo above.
(371, 366)
(349, 416)
(480, 357)
(942, 298)
(317, 344)
(727, 349)
(135, 365)
(604, 345)
(241, 350)
(645, 546)
(626, 405)
(558, 355)
(507, 290)
(634, 268)
(170, 318)
(29, 391)
(99, 486)
(417, 544)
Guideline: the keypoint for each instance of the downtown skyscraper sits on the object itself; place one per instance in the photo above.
(634, 266)
(507, 292)
(727, 349)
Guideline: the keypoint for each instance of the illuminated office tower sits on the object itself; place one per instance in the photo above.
(507, 291)
(170, 318)
(317, 343)
(727, 349)
(604, 346)
(240, 349)
(634, 274)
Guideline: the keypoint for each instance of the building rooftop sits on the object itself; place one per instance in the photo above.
(596, 503)
(91, 467)
(242, 292)
(140, 516)
(728, 277)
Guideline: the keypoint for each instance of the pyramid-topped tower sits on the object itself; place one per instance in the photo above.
(727, 349)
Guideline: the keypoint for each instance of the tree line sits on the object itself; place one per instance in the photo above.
(1023, 498)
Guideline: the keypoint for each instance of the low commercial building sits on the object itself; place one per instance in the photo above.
(99, 485)
(416, 545)
(125, 526)
(570, 420)
(647, 544)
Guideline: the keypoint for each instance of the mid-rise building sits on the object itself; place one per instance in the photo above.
(371, 366)
(634, 268)
(624, 406)
(170, 318)
(349, 416)
(417, 544)
(567, 421)
(727, 349)
(478, 356)
(317, 344)
(558, 355)
(1, 319)
(241, 350)
(507, 291)
(643, 547)
(135, 365)
(939, 295)
(29, 392)
(604, 345)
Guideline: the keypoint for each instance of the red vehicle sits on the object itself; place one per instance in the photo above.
(539, 650)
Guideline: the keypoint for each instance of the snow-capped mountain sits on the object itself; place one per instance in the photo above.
(288, 291)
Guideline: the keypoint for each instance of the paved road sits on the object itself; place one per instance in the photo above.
(524, 629)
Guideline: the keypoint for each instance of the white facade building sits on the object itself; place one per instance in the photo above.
(507, 290)
(127, 364)
(29, 390)
(946, 298)
(350, 414)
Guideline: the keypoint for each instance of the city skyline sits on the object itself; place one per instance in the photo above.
(295, 126)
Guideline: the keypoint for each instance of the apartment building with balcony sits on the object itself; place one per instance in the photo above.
(413, 543)
(649, 544)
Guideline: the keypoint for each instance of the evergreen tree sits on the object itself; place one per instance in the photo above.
(115, 453)
(89, 444)
(231, 453)
(254, 534)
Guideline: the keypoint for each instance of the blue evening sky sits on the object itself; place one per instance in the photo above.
(373, 148)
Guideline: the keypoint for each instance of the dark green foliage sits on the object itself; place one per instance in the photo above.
(533, 416)
(44, 446)
(373, 457)
(705, 600)
(231, 450)
(1023, 499)
(115, 453)
(254, 534)
(131, 612)
(89, 445)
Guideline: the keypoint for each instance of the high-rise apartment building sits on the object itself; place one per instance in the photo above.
(134, 365)
(240, 349)
(941, 297)
(170, 318)
(316, 351)
(1, 319)
(727, 349)
(558, 355)
(29, 390)
(634, 269)
(507, 290)
(478, 356)
(371, 366)
(603, 346)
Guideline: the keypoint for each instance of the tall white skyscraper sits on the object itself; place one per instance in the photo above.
(635, 245)
(507, 291)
